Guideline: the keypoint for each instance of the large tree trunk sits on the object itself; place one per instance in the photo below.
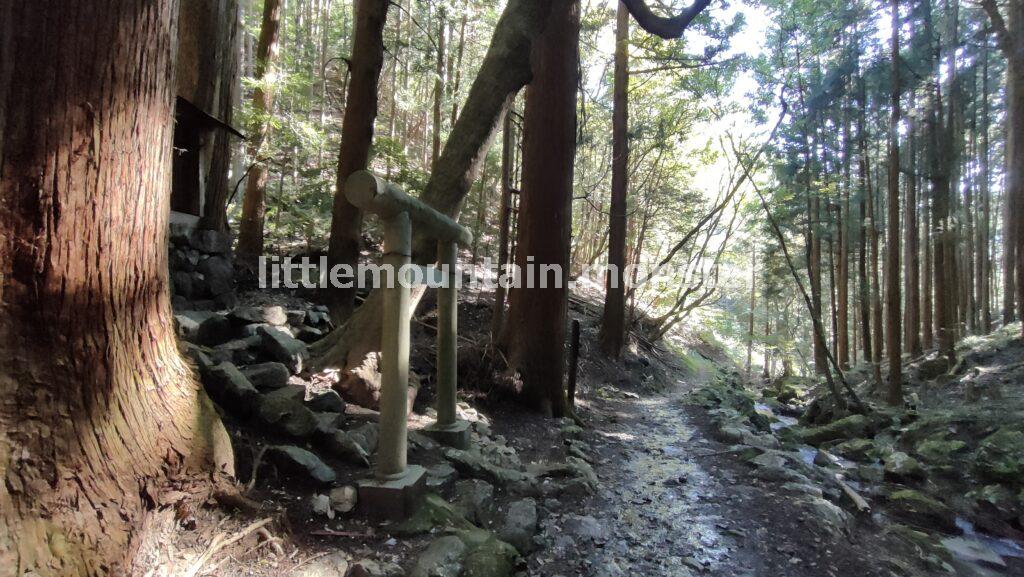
(613, 330)
(505, 70)
(97, 407)
(1010, 37)
(534, 336)
(254, 206)
(894, 335)
(356, 139)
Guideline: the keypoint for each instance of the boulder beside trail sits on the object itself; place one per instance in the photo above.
(443, 558)
(300, 465)
(267, 376)
(230, 389)
(520, 525)
(281, 346)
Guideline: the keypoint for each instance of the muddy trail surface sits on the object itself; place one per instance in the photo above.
(673, 501)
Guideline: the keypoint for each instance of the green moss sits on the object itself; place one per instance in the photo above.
(857, 449)
(846, 428)
(937, 450)
(489, 558)
(434, 513)
(910, 501)
(1000, 457)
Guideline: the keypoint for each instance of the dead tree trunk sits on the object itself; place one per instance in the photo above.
(97, 407)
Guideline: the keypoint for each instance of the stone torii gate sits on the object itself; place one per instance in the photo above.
(395, 489)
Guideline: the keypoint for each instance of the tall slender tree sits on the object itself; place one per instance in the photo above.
(537, 315)
(254, 205)
(613, 330)
(894, 394)
(356, 139)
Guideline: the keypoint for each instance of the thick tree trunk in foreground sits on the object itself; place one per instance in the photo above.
(613, 329)
(356, 139)
(505, 70)
(894, 335)
(534, 336)
(254, 205)
(97, 407)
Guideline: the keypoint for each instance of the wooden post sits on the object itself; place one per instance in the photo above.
(394, 394)
(574, 356)
(447, 327)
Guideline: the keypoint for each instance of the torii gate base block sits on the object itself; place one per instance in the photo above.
(393, 499)
(455, 435)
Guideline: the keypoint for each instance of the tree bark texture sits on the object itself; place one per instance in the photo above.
(97, 407)
(613, 330)
(254, 205)
(536, 327)
(356, 140)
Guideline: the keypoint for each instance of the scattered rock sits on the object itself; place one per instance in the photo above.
(259, 315)
(856, 449)
(1000, 457)
(228, 386)
(327, 402)
(433, 514)
(769, 460)
(932, 368)
(900, 465)
(300, 465)
(371, 568)
(332, 565)
(321, 505)
(210, 241)
(344, 499)
(203, 327)
(492, 558)
(284, 348)
(472, 464)
(218, 273)
(520, 525)
(267, 376)
(294, 392)
(288, 416)
(845, 428)
(345, 445)
(443, 558)
(476, 498)
(238, 351)
(922, 509)
(585, 527)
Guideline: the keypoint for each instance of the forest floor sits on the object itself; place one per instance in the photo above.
(669, 476)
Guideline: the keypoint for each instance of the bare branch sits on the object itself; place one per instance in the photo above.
(661, 26)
